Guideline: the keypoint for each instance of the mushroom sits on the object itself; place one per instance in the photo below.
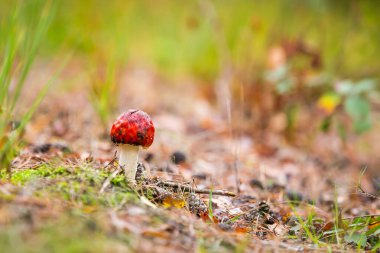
(131, 130)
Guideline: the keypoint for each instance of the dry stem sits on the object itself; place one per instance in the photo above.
(187, 188)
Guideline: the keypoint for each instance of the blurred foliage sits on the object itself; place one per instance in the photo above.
(355, 97)
(21, 37)
(176, 37)
(359, 232)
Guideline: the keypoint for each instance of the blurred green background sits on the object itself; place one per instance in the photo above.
(178, 38)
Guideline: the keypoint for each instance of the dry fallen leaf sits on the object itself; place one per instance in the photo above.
(242, 229)
(328, 226)
(173, 201)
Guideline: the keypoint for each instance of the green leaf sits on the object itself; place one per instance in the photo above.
(364, 86)
(357, 107)
(277, 74)
(325, 125)
(345, 87)
(284, 86)
(357, 238)
(360, 126)
(377, 232)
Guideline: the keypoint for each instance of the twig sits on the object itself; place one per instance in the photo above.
(199, 191)
(362, 216)
(368, 195)
(360, 189)
(112, 161)
(109, 179)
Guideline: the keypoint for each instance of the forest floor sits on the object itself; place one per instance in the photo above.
(66, 193)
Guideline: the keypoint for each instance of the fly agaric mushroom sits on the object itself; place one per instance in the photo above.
(131, 130)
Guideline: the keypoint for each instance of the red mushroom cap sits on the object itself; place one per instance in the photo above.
(133, 127)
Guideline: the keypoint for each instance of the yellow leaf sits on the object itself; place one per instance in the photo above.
(328, 102)
(171, 201)
(89, 209)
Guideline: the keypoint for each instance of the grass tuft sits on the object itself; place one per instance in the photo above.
(22, 35)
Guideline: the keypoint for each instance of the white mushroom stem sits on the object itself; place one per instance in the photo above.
(129, 155)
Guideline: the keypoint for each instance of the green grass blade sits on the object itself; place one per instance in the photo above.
(42, 27)
(6, 150)
(9, 54)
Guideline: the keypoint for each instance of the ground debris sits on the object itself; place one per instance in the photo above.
(196, 205)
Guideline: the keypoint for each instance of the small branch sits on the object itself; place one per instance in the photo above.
(362, 216)
(199, 191)
(109, 179)
(368, 195)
